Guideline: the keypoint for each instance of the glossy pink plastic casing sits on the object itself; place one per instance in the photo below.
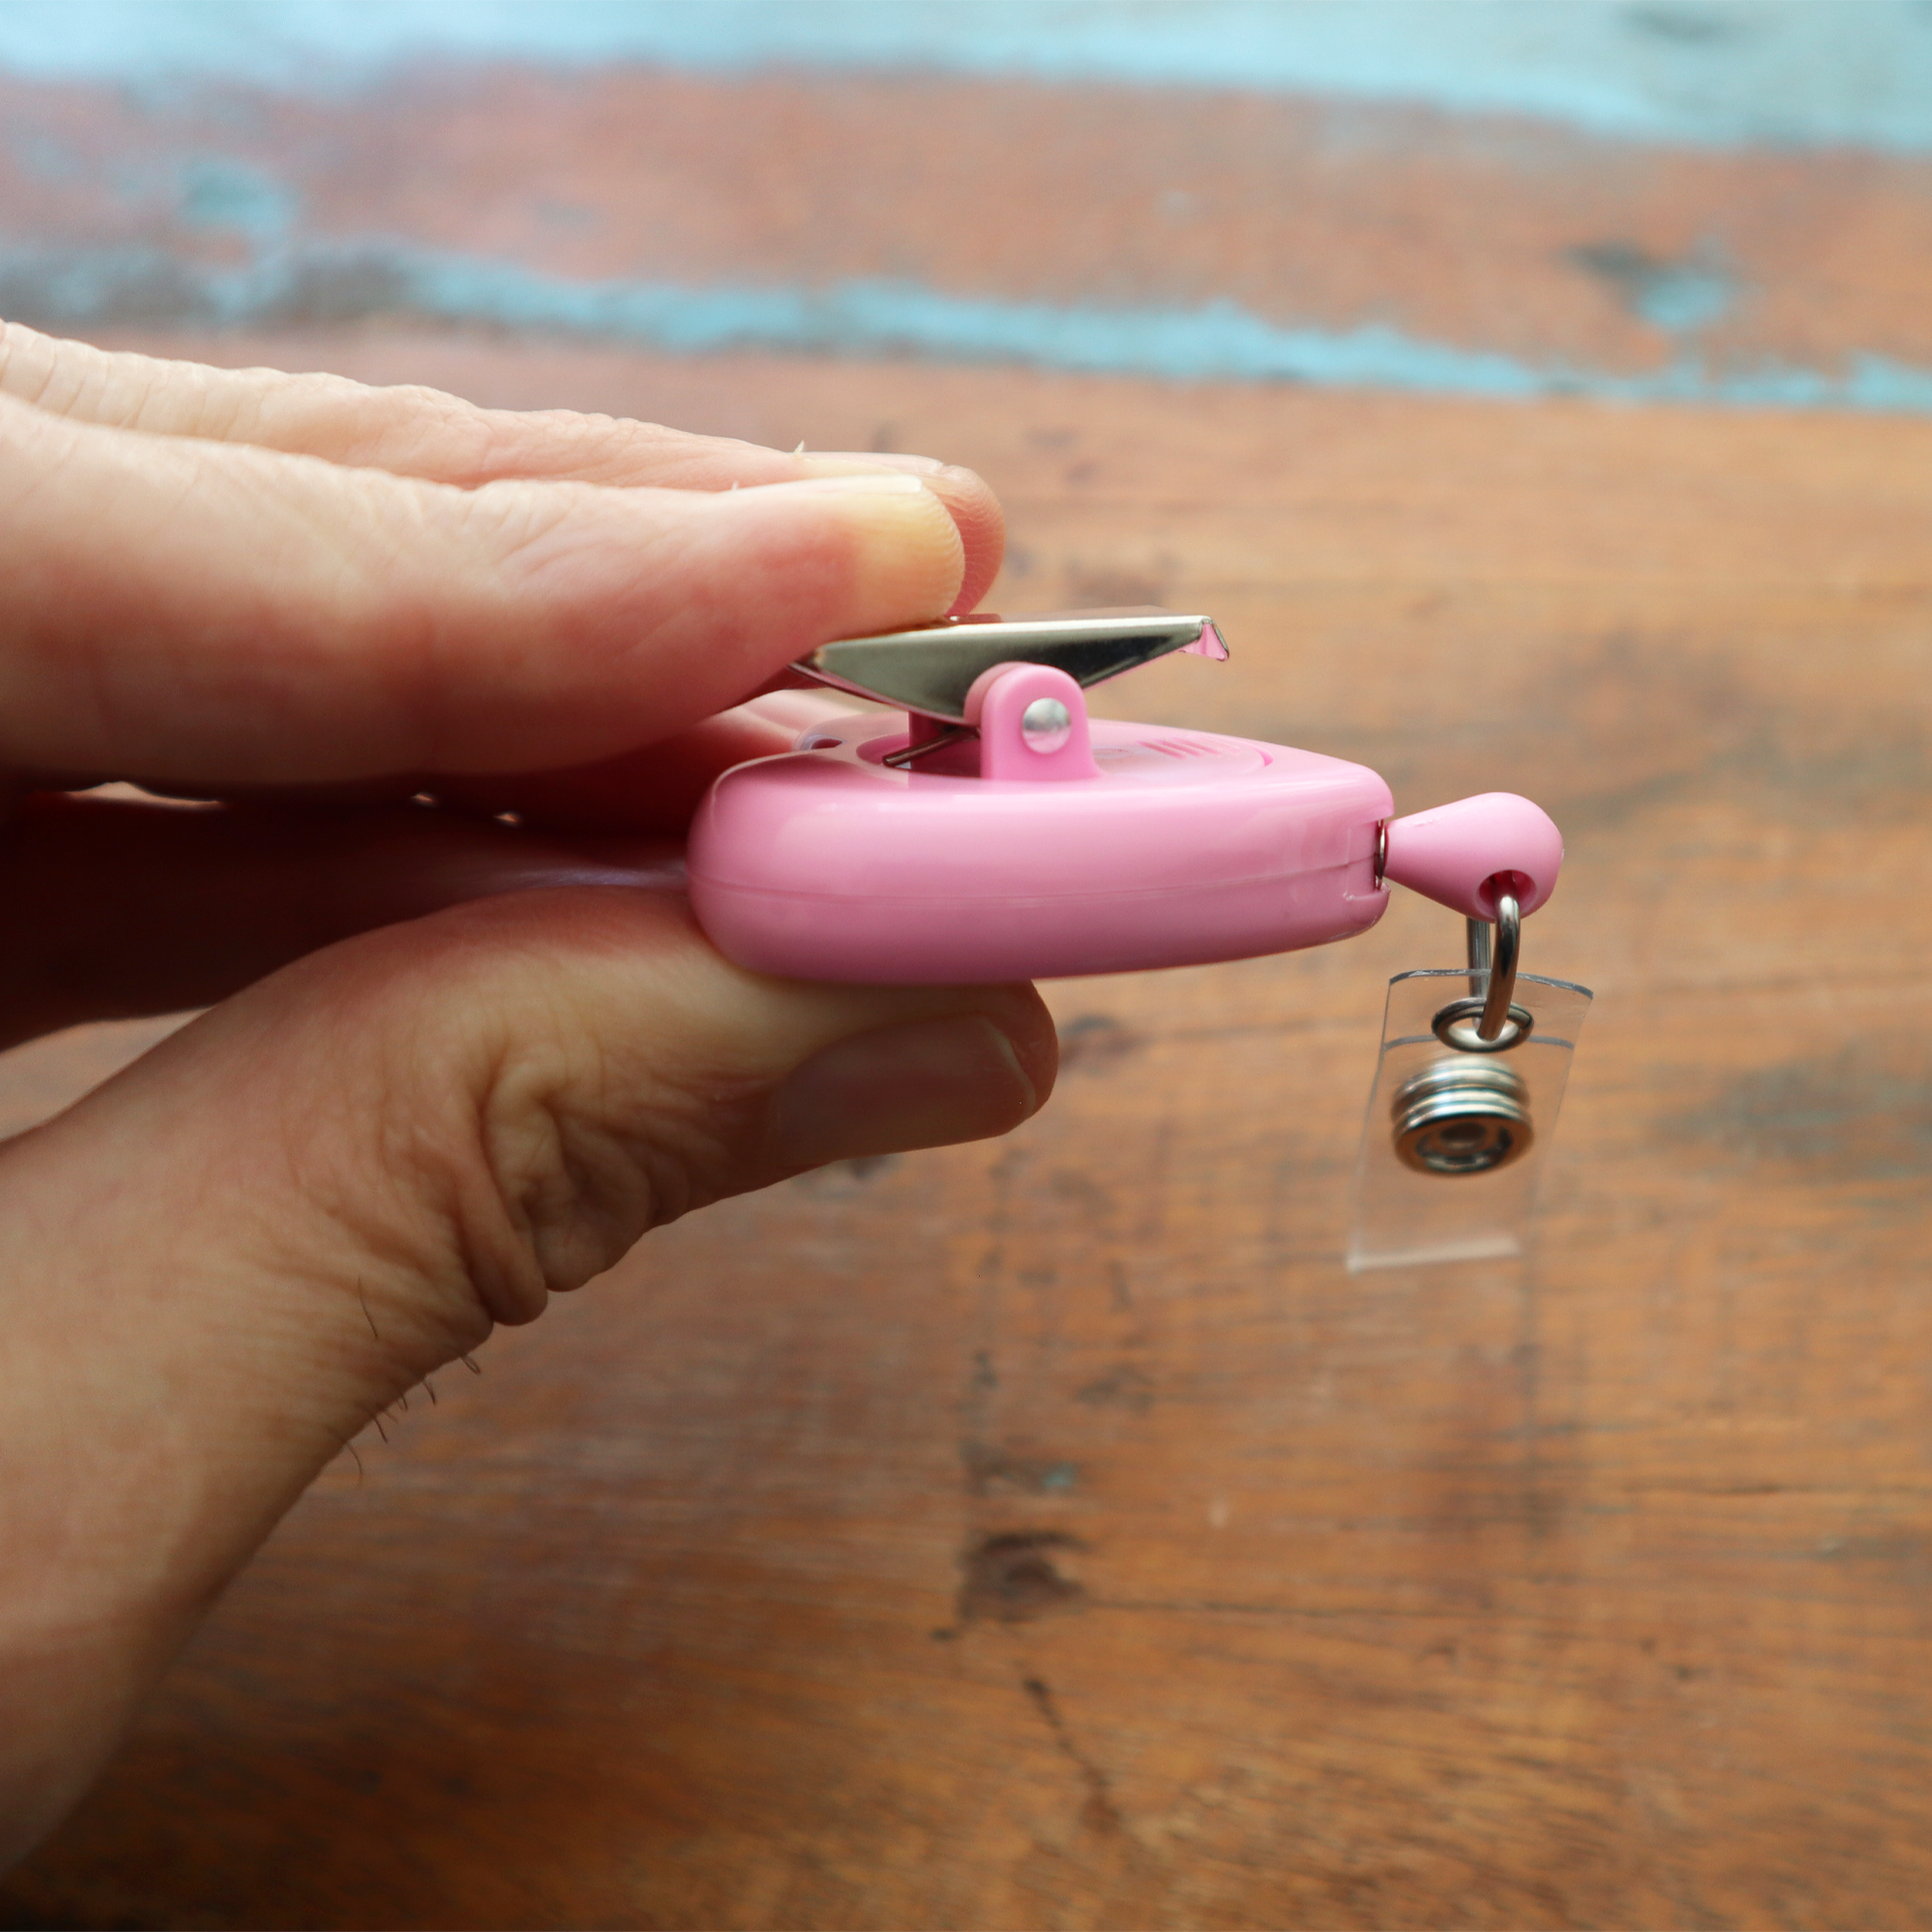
(1183, 847)
(1456, 854)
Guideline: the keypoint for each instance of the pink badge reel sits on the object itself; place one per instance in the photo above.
(1000, 834)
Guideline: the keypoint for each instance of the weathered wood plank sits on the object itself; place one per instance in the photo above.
(504, 194)
(1052, 1533)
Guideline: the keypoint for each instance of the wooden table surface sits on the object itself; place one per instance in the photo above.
(1052, 1531)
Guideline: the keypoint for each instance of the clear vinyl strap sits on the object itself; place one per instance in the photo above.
(1459, 1126)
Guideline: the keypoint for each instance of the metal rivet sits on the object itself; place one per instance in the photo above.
(1045, 724)
(1458, 1025)
(1462, 1116)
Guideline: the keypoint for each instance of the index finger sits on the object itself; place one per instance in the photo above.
(413, 431)
(207, 612)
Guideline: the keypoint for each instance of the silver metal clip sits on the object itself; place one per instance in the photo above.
(931, 668)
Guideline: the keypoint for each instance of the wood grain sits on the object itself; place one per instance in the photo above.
(1052, 1533)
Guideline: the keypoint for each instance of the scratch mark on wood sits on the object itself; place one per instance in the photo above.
(1013, 1577)
(1096, 1043)
(1100, 1811)
(1122, 1387)
(989, 1469)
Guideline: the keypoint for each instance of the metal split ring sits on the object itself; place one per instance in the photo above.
(1488, 1020)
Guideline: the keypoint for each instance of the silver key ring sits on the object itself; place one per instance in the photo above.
(1490, 1022)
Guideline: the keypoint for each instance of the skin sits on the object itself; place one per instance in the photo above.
(453, 1064)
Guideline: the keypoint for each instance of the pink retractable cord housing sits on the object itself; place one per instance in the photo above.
(1055, 845)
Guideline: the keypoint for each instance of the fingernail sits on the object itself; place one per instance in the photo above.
(903, 560)
(925, 1083)
(872, 483)
(844, 463)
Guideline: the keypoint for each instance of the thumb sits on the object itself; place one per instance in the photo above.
(217, 1267)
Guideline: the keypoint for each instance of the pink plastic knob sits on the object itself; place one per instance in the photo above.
(1451, 854)
(1033, 723)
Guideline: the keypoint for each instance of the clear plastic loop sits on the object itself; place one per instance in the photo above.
(1455, 1142)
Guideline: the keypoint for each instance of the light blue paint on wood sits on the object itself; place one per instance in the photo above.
(1678, 295)
(1215, 341)
(1722, 73)
(217, 191)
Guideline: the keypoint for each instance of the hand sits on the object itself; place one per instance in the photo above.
(453, 1063)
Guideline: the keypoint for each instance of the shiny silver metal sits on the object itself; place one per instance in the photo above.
(1458, 1025)
(1489, 1021)
(931, 668)
(1502, 965)
(912, 753)
(1045, 724)
(1462, 1117)
(1477, 941)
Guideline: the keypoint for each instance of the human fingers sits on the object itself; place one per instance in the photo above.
(116, 908)
(219, 1266)
(654, 790)
(412, 431)
(221, 614)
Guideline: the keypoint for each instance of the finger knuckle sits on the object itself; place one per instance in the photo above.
(580, 1148)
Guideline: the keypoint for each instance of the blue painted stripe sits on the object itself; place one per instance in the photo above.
(1718, 73)
(1216, 342)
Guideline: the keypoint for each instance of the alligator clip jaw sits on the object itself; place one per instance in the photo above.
(930, 670)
